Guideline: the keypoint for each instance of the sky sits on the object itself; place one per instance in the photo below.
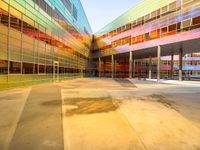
(102, 12)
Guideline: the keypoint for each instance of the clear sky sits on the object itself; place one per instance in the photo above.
(102, 12)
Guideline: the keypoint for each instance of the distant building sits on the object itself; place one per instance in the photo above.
(137, 42)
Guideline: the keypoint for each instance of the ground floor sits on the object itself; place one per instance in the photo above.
(179, 67)
(101, 114)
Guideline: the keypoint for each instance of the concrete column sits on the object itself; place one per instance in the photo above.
(131, 64)
(172, 66)
(150, 67)
(113, 65)
(180, 64)
(104, 63)
(99, 66)
(158, 62)
(133, 68)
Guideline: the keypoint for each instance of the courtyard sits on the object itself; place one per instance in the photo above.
(101, 114)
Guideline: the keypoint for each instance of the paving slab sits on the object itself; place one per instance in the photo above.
(40, 125)
(11, 107)
(101, 114)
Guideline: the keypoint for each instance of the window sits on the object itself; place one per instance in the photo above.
(15, 67)
(146, 36)
(186, 23)
(27, 68)
(49, 10)
(49, 69)
(113, 44)
(14, 21)
(119, 30)
(164, 9)
(28, 29)
(196, 21)
(123, 28)
(55, 16)
(154, 14)
(133, 40)
(158, 13)
(140, 21)
(178, 26)
(118, 42)
(75, 14)
(67, 4)
(43, 5)
(61, 70)
(172, 6)
(37, 1)
(139, 38)
(128, 26)
(164, 30)
(147, 17)
(41, 68)
(3, 17)
(3, 66)
(155, 34)
(125, 40)
(134, 24)
(172, 28)
(49, 40)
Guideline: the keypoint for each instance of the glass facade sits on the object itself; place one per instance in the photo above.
(167, 24)
(51, 40)
(42, 41)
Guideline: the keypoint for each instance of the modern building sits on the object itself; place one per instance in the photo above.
(51, 40)
(42, 41)
(154, 39)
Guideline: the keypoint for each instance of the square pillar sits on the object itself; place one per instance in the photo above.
(113, 65)
(158, 62)
(130, 64)
(150, 67)
(99, 66)
(103, 68)
(172, 67)
(180, 64)
(133, 68)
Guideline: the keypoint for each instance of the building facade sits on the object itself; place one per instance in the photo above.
(42, 41)
(154, 39)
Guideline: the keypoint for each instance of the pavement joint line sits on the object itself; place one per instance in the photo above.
(133, 131)
(15, 123)
(66, 138)
(176, 82)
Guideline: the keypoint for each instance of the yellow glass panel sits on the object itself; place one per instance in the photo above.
(15, 34)
(3, 5)
(28, 20)
(15, 42)
(3, 29)
(15, 13)
(28, 39)
(3, 38)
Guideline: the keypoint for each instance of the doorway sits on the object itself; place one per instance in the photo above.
(56, 71)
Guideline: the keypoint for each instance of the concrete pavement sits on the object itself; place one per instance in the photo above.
(101, 114)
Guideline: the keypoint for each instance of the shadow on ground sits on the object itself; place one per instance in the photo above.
(125, 82)
(160, 99)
